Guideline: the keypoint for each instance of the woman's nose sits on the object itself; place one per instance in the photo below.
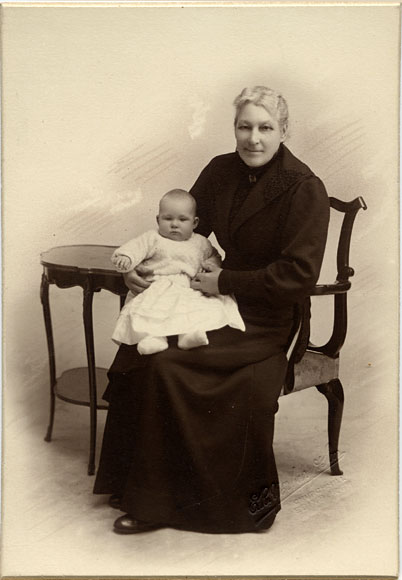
(254, 136)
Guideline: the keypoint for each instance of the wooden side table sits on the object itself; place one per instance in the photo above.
(88, 266)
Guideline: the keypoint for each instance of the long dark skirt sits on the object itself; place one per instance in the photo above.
(188, 437)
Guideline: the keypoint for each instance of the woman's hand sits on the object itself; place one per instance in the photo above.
(135, 280)
(207, 282)
(211, 263)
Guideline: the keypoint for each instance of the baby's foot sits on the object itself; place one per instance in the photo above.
(192, 339)
(152, 344)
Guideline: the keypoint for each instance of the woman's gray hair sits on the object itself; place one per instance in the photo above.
(271, 100)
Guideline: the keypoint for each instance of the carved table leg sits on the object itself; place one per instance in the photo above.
(333, 391)
(44, 297)
(89, 343)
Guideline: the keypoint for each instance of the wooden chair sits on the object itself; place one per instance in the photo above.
(319, 366)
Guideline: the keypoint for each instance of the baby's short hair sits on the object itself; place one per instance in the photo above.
(180, 194)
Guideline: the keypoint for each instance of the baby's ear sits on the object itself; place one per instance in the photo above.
(196, 221)
(157, 219)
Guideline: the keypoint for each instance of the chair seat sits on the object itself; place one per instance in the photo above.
(315, 368)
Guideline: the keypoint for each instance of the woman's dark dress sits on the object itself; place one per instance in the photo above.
(188, 437)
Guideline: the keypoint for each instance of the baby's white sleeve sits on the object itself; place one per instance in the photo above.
(210, 252)
(137, 250)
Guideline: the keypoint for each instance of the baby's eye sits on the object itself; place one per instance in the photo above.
(242, 127)
(184, 219)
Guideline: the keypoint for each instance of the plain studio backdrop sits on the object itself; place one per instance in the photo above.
(108, 107)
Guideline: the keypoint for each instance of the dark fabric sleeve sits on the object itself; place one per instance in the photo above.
(201, 190)
(292, 277)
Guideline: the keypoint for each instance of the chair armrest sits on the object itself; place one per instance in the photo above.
(339, 290)
(329, 289)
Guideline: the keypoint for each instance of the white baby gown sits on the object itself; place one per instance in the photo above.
(169, 306)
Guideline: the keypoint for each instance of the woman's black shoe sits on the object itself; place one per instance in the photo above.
(115, 501)
(128, 525)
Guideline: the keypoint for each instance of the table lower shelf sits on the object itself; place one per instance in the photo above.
(73, 387)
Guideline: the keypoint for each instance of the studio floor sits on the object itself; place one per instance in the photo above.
(345, 525)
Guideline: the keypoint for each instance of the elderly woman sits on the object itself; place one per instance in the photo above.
(188, 438)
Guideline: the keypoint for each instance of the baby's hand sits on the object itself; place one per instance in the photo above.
(122, 262)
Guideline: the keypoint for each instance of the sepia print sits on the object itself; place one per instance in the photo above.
(106, 108)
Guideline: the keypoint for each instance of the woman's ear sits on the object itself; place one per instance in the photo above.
(196, 221)
(284, 132)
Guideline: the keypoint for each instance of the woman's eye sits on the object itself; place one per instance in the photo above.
(266, 128)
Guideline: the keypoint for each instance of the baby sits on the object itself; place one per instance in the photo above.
(170, 306)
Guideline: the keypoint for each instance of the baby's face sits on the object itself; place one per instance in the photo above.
(176, 219)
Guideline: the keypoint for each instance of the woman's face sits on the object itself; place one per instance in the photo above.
(258, 135)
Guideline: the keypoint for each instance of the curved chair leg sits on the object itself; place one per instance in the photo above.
(333, 391)
(44, 296)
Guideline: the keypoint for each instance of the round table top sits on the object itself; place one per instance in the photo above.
(83, 258)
